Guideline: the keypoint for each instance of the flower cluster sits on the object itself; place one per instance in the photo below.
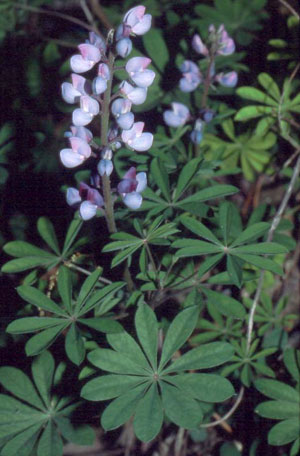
(94, 98)
(218, 43)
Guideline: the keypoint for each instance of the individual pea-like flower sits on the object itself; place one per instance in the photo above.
(71, 92)
(124, 47)
(178, 116)
(131, 186)
(227, 79)
(199, 46)
(85, 114)
(88, 57)
(100, 82)
(97, 41)
(88, 199)
(137, 21)
(121, 110)
(81, 132)
(138, 72)
(77, 154)
(197, 132)
(226, 44)
(191, 76)
(137, 95)
(136, 139)
(105, 166)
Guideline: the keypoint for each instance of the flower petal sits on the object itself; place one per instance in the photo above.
(81, 118)
(79, 65)
(142, 182)
(69, 93)
(133, 200)
(87, 210)
(73, 196)
(71, 159)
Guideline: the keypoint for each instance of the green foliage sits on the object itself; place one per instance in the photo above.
(141, 384)
(34, 418)
(68, 316)
(242, 19)
(284, 405)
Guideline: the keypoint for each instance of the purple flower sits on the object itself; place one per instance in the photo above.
(88, 199)
(197, 133)
(136, 19)
(227, 79)
(136, 68)
(191, 76)
(88, 57)
(178, 116)
(105, 167)
(137, 95)
(82, 132)
(72, 92)
(198, 45)
(131, 186)
(97, 41)
(88, 109)
(100, 82)
(124, 47)
(121, 110)
(226, 44)
(136, 139)
(79, 152)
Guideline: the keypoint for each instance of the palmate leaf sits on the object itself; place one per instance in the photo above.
(29, 421)
(142, 390)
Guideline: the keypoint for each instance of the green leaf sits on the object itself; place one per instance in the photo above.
(227, 305)
(156, 48)
(38, 299)
(216, 191)
(98, 296)
(193, 247)
(87, 288)
(269, 85)
(291, 360)
(124, 343)
(225, 219)
(23, 443)
(277, 390)
(204, 387)
(22, 264)
(122, 256)
(278, 410)
(106, 325)
(43, 340)
(115, 362)
(251, 112)
(72, 232)
(261, 262)
(186, 175)
(161, 178)
(250, 93)
(121, 409)
(234, 270)
(180, 408)
(251, 233)
(262, 248)
(147, 332)
(74, 345)
(149, 414)
(203, 357)
(22, 249)
(17, 383)
(179, 331)
(64, 284)
(284, 432)
(81, 435)
(50, 442)
(47, 232)
(32, 324)
(199, 229)
(42, 371)
(109, 386)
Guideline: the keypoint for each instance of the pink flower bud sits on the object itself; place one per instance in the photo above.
(138, 21)
(198, 45)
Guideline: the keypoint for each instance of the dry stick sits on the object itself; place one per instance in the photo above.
(229, 413)
(289, 7)
(86, 272)
(55, 14)
(273, 227)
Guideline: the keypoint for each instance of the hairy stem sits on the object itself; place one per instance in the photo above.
(207, 82)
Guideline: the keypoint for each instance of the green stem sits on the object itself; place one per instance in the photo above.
(207, 82)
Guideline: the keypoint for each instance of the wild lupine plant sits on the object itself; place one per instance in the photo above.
(218, 43)
(111, 112)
